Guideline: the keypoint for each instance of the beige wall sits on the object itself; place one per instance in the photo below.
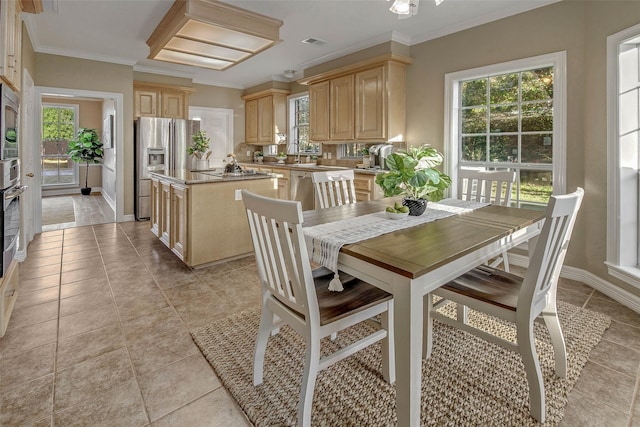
(580, 29)
(72, 73)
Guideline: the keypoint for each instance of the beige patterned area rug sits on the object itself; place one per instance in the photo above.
(467, 381)
(57, 210)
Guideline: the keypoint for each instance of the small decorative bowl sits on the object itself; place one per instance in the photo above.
(396, 215)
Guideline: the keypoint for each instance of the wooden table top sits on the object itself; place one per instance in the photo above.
(415, 251)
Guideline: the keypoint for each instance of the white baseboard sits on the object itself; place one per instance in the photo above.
(67, 191)
(130, 217)
(609, 289)
(109, 201)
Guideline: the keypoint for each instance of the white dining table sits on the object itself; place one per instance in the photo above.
(412, 262)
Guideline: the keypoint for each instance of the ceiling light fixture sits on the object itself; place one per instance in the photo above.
(211, 34)
(289, 73)
(407, 8)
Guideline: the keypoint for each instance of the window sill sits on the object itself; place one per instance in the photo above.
(630, 275)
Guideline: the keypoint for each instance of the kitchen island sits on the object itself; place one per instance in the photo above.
(200, 216)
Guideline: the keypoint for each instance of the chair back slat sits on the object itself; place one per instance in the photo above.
(486, 186)
(281, 253)
(548, 256)
(334, 188)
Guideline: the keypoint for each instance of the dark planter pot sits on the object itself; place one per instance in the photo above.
(416, 206)
(85, 191)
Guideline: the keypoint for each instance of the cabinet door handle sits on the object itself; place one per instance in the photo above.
(30, 175)
(10, 293)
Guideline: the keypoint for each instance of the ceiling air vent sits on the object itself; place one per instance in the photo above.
(314, 41)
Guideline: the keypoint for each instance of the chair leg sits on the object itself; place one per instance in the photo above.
(311, 364)
(333, 336)
(550, 316)
(505, 260)
(388, 346)
(266, 324)
(427, 339)
(526, 346)
(461, 313)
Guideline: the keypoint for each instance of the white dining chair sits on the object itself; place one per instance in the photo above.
(487, 187)
(291, 295)
(334, 188)
(518, 300)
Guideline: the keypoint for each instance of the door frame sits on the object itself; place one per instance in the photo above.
(118, 99)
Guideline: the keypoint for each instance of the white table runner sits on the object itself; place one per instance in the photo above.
(325, 240)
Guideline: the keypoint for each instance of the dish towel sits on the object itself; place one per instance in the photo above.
(325, 240)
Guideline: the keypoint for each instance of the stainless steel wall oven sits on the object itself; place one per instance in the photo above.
(10, 213)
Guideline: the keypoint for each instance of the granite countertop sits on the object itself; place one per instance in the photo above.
(311, 166)
(185, 176)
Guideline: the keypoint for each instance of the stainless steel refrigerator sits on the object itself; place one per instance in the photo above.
(160, 144)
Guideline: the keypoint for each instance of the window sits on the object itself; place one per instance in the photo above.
(352, 151)
(510, 117)
(623, 133)
(59, 125)
(299, 126)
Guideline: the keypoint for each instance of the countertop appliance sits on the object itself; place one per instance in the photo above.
(10, 192)
(9, 120)
(379, 154)
(160, 144)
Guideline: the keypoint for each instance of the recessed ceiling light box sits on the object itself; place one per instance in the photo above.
(211, 34)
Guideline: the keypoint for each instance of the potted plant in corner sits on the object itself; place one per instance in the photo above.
(414, 174)
(86, 148)
(199, 148)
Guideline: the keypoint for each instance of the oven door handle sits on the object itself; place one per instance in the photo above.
(15, 193)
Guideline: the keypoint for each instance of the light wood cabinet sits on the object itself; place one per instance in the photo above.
(284, 180)
(366, 188)
(8, 295)
(371, 114)
(251, 121)
(205, 223)
(152, 100)
(165, 209)
(341, 108)
(265, 116)
(156, 207)
(366, 102)
(179, 214)
(11, 42)
(319, 111)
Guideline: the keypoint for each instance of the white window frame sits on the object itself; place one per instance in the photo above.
(292, 146)
(622, 183)
(451, 111)
(76, 166)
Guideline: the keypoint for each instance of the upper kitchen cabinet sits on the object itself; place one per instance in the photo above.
(265, 116)
(153, 100)
(363, 102)
(10, 42)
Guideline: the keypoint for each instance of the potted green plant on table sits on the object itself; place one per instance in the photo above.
(86, 148)
(414, 174)
(199, 148)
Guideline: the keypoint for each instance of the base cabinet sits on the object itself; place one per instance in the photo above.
(366, 188)
(204, 223)
(8, 295)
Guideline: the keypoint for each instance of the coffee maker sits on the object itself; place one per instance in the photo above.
(378, 155)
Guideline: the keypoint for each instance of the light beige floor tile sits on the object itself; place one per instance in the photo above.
(88, 380)
(147, 328)
(91, 262)
(27, 316)
(26, 403)
(168, 389)
(80, 255)
(29, 285)
(585, 411)
(86, 321)
(83, 286)
(618, 357)
(89, 272)
(623, 334)
(150, 355)
(85, 301)
(23, 339)
(82, 347)
(45, 270)
(41, 296)
(606, 305)
(27, 366)
(121, 405)
(215, 409)
(595, 382)
(133, 306)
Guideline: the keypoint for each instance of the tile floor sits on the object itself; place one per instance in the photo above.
(100, 336)
(88, 210)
